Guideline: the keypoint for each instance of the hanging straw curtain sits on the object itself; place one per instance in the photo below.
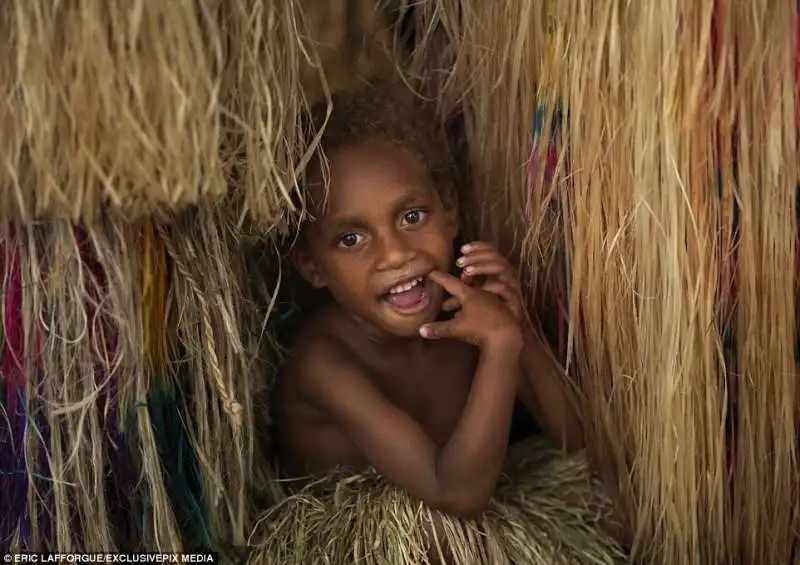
(148, 107)
(673, 177)
(128, 361)
(763, 178)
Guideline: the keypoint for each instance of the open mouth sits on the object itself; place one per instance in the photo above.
(409, 297)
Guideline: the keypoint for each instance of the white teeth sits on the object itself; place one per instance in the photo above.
(405, 286)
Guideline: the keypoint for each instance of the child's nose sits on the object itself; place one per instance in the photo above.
(395, 253)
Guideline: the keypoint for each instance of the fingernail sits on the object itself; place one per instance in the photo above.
(423, 331)
(465, 248)
(468, 270)
(460, 261)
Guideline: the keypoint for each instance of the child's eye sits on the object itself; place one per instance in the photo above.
(349, 240)
(414, 217)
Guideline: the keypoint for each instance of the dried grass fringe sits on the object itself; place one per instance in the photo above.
(546, 510)
(766, 476)
(68, 317)
(221, 343)
(92, 334)
(160, 117)
(147, 106)
(110, 115)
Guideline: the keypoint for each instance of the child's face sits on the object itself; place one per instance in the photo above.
(381, 231)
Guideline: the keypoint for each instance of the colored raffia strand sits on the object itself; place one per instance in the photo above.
(13, 365)
(765, 476)
(121, 254)
(161, 408)
(83, 486)
(154, 300)
(71, 316)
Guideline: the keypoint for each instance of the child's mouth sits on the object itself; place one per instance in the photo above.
(410, 297)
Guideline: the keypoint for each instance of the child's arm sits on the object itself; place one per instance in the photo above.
(543, 392)
(542, 389)
(458, 478)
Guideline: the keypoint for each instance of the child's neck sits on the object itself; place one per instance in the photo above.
(411, 346)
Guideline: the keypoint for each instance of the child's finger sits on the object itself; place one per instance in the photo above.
(488, 263)
(506, 294)
(499, 289)
(488, 268)
(469, 279)
(476, 246)
(481, 257)
(452, 303)
(440, 330)
(499, 272)
(451, 284)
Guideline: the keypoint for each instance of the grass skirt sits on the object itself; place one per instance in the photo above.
(546, 509)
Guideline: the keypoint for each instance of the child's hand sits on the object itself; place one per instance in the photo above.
(484, 321)
(481, 259)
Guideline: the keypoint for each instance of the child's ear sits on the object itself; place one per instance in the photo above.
(304, 262)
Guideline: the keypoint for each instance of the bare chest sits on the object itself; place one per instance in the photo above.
(432, 390)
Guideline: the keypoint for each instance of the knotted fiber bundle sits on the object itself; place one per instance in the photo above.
(219, 341)
(147, 106)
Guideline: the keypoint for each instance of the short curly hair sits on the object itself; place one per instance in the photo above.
(391, 113)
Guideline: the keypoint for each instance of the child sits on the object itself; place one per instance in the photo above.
(384, 376)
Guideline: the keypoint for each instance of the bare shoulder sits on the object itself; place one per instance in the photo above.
(319, 354)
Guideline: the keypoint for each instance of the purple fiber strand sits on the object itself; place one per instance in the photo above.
(45, 482)
(6, 456)
(13, 476)
(21, 477)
